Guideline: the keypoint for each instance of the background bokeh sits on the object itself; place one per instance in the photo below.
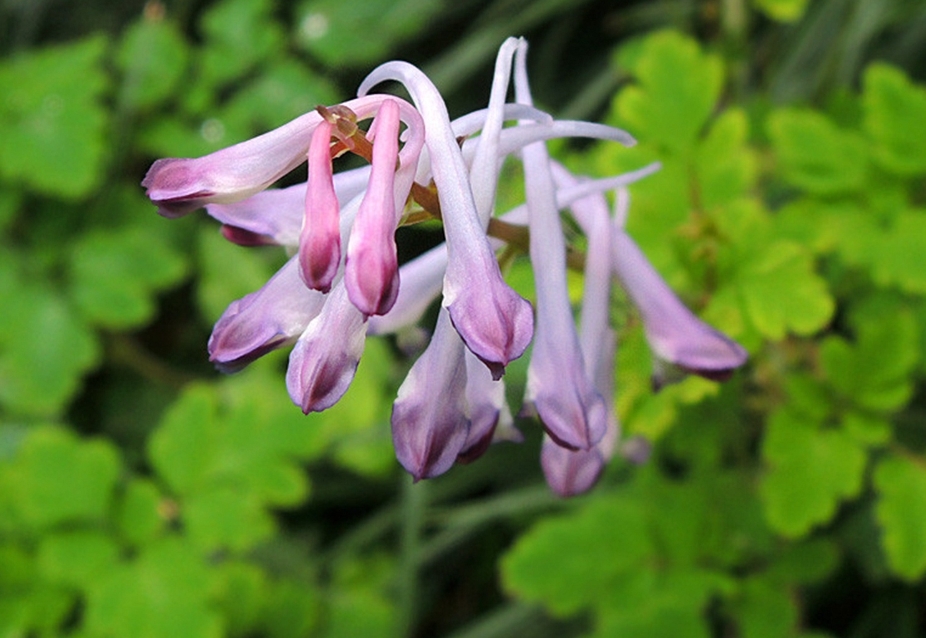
(144, 495)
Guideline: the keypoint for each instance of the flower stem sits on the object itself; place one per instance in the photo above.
(414, 503)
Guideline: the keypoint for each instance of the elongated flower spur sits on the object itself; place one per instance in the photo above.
(344, 282)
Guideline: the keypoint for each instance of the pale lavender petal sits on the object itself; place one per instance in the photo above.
(570, 408)
(495, 322)
(421, 280)
(430, 425)
(674, 333)
(320, 237)
(325, 358)
(570, 472)
(180, 186)
(269, 318)
(275, 216)
(485, 397)
(484, 167)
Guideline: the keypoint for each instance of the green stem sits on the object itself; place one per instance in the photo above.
(414, 503)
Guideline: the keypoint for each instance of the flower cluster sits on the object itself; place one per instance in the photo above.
(344, 281)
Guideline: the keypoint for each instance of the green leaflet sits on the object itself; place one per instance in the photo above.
(44, 349)
(901, 511)
(153, 56)
(678, 87)
(53, 101)
(811, 470)
(816, 155)
(873, 372)
(57, 479)
(115, 273)
(339, 33)
(894, 113)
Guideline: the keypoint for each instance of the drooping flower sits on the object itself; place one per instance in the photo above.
(344, 280)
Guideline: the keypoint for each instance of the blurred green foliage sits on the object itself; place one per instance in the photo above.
(143, 495)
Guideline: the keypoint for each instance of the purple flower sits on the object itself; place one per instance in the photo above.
(326, 300)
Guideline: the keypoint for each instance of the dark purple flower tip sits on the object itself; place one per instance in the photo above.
(269, 318)
(244, 237)
(430, 425)
(570, 472)
(173, 184)
(323, 363)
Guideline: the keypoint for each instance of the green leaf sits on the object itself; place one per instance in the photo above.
(59, 479)
(654, 607)
(810, 470)
(163, 593)
(44, 349)
(115, 274)
(227, 272)
(765, 610)
(284, 91)
(725, 165)
(816, 155)
(76, 558)
(893, 253)
(52, 122)
(153, 57)
(243, 590)
(901, 512)
(181, 447)
(561, 562)
(873, 371)
(678, 87)
(895, 110)
(780, 291)
(222, 518)
(782, 10)
(239, 35)
(292, 610)
(338, 33)
(139, 517)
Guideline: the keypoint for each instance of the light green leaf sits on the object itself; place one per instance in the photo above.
(901, 512)
(678, 87)
(222, 518)
(816, 155)
(810, 471)
(573, 562)
(781, 292)
(59, 479)
(162, 593)
(725, 165)
(52, 121)
(895, 110)
(894, 253)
